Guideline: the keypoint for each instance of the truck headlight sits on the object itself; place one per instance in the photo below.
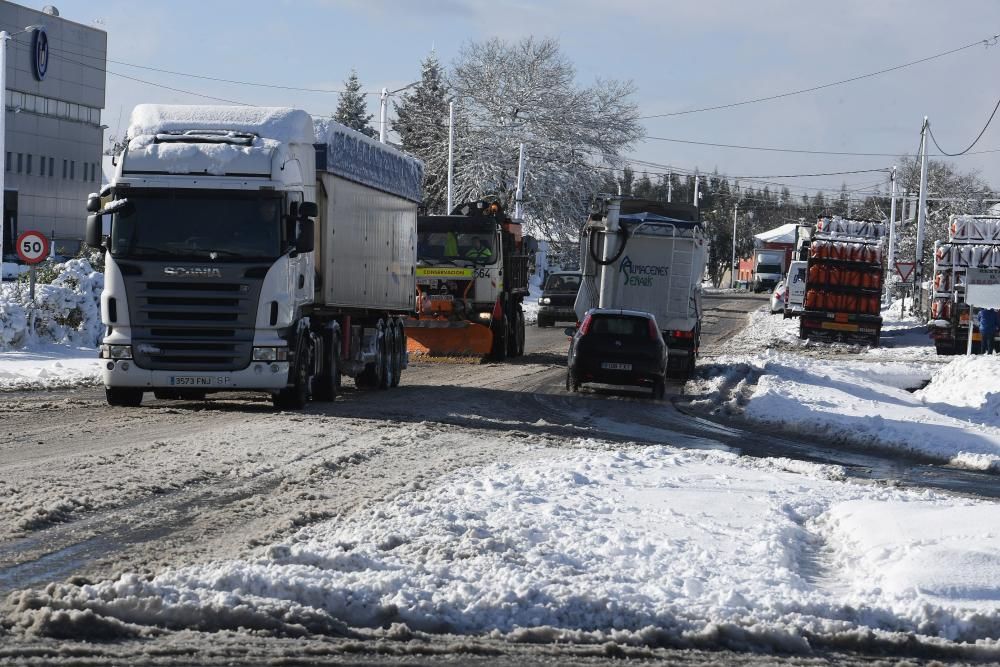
(116, 351)
(270, 353)
(545, 300)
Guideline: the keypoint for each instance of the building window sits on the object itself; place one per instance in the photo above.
(41, 165)
(7, 163)
(27, 169)
(52, 167)
(20, 162)
(72, 170)
(93, 172)
(65, 168)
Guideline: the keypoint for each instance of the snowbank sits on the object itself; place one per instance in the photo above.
(868, 397)
(65, 311)
(652, 546)
(49, 367)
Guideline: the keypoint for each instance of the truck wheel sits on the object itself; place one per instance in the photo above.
(371, 377)
(123, 397)
(296, 396)
(387, 353)
(542, 323)
(519, 333)
(500, 331)
(327, 386)
(399, 351)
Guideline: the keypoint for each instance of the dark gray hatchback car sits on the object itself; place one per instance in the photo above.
(558, 298)
(622, 347)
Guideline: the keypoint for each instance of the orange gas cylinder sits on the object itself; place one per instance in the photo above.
(812, 300)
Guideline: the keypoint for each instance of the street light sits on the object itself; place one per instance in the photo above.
(4, 36)
(383, 110)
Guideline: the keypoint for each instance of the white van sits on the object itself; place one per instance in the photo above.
(795, 294)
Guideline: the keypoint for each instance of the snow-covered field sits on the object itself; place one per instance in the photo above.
(48, 366)
(651, 546)
(872, 397)
(583, 540)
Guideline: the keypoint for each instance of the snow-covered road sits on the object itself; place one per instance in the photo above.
(477, 509)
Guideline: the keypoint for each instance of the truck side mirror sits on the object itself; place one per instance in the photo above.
(93, 204)
(308, 209)
(95, 230)
(570, 331)
(306, 240)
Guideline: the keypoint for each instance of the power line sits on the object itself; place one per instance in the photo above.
(974, 142)
(989, 41)
(205, 77)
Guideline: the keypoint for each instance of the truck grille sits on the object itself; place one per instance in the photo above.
(193, 323)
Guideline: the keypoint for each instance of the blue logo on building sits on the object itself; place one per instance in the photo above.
(40, 49)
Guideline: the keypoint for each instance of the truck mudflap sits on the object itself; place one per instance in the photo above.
(847, 327)
(447, 338)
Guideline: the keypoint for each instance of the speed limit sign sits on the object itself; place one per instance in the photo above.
(32, 247)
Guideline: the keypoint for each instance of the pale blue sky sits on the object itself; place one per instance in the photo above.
(679, 54)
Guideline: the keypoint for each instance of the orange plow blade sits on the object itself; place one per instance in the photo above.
(441, 338)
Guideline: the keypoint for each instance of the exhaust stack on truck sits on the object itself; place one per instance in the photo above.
(250, 250)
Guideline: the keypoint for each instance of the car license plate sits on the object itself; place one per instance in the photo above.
(614, 366)
(199, 380)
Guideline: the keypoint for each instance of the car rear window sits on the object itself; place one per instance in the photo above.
(617, 325)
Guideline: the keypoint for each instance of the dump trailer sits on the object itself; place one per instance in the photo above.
(250, 249)
(649, 256)
(973, 242)
(472, 277)
(844, 279)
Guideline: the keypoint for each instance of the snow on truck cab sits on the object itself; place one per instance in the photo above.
(647, 256)
(250, 249)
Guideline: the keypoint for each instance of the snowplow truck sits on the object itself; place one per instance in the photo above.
(249, 249)
(472, 277)
(973, 242)
(844, 277)
(649, 256)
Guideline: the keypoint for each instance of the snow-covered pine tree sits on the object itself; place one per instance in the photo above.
(352, 107)
(422, 124)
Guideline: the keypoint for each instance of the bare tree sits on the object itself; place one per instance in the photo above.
(506, 94)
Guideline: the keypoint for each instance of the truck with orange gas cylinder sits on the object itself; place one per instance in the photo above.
(844, 282)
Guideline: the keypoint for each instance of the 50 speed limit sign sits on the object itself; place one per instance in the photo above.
(32, 247)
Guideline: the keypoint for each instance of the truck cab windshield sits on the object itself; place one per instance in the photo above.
(196, 225)
(462, 244)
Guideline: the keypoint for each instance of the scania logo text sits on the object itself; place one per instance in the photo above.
(193, 271)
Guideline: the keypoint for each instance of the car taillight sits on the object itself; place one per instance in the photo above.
(497, 310)
(683, 334)
(653, 332)
(585, 327)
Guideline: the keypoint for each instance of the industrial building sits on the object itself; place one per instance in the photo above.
(56, 77)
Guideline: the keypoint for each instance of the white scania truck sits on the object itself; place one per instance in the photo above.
(247, 249)
(649, 256)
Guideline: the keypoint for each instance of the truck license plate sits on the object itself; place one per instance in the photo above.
(614, 366)
(199, 380)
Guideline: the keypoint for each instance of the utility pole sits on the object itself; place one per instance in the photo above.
(732, 267)
(696, 177)
(383, 113)
(670, 187)
(451, 152)
(918, 301)
(519, 193)
(892, 229)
